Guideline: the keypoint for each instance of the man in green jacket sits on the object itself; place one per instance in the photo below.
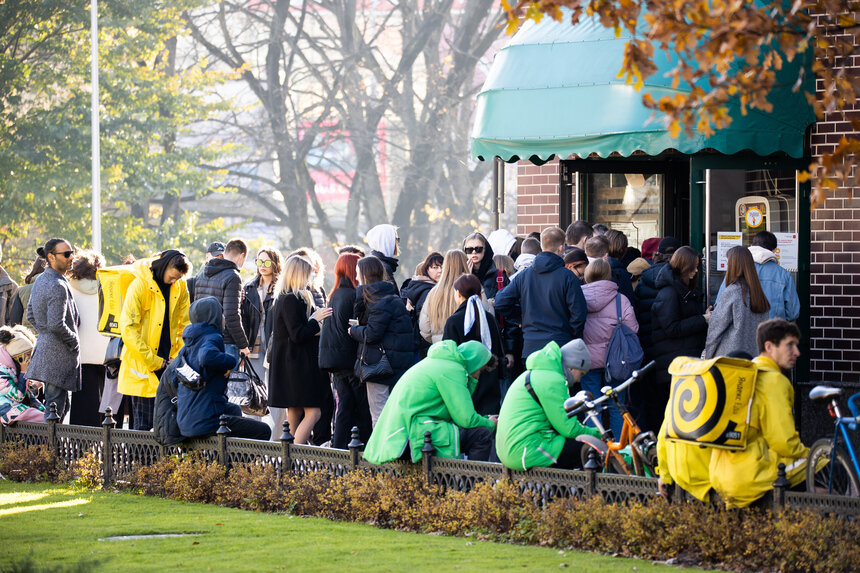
(435, 395)
(533, 428)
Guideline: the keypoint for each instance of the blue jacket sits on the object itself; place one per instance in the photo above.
(198, 413)
(621, 277)
(553, 308)
(777, 284)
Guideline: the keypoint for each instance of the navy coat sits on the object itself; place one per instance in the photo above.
(621, 277)
(646, 293)
(384, 322)
(550, 298)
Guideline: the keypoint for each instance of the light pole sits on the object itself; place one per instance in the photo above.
(96, 167)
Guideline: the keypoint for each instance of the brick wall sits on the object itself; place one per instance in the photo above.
(537, 196)
(835, 264)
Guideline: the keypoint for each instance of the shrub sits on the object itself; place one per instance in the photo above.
(85, 472)
(26, 463)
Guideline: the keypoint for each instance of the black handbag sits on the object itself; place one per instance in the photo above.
(371, 372)
(113, 354)
(245, 389)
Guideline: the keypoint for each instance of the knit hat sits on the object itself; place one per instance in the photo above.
(668, 245)
(574, 354)
(501, 241)
(649, 247)
(382, 238)
(475, 355)
(15, 341)
(636, 267)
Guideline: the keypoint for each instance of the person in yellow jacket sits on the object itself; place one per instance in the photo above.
(686, 464)
(151, 329)
(742, 477)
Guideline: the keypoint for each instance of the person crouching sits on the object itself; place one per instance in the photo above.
(198, 413)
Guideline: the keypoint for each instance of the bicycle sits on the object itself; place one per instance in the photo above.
(611, 454)
(840, 474)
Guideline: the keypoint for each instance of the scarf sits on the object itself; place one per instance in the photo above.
(474, 309)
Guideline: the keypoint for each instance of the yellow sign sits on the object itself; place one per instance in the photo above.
(709, 401)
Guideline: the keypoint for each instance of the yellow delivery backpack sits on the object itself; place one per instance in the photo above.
(710, 401)
(113, 283)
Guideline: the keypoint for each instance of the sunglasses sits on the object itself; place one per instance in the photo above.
(66, 254)
(476, 250)
(22, 358)
(262, 263)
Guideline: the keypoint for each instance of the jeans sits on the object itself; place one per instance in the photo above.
(352, 409)
(56, 395)
(593, 381)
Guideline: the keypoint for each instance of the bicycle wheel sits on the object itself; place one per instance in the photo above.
(838, 475)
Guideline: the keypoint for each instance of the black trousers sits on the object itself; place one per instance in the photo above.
(85, 402)
(241, 427)
(477, 444)
(570, 457)
(352, 409)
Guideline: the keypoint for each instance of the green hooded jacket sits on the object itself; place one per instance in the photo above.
(531, 434)
(435, 396)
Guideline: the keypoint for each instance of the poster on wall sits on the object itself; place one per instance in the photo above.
(726, 241)
(786, 250)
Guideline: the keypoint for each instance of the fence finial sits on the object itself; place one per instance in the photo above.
(109, 421)
(286, 436)
(355, 442)
(224, 428)
(427, 448)
(52, 413)
(779, 488)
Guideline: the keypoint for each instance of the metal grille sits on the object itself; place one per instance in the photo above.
(462, 475)
(132, 449)
(73, 443)
(822, 503)
(308, 459)
(242, 452)
(27, 433)
(548, 483)
(624, 489)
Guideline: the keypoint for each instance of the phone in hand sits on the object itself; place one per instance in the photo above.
(353, 322)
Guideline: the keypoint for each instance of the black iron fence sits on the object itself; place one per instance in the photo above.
(122, 451)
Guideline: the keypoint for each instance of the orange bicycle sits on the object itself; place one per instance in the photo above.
(636, 452)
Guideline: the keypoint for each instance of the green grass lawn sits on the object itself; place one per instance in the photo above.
(57, 525)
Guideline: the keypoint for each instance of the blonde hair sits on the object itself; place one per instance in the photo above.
(317, 262)
(442, 299)
(294, 280)
(598, 270)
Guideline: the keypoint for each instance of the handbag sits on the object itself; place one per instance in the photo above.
(370, 372)
(187, 376)
(113, 354)
(246, 390)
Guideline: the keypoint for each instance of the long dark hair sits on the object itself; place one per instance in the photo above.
(370, 270)
(39, 266)
(684, 261)
(741, 269)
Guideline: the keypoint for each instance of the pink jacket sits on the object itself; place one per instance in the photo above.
(600, 297)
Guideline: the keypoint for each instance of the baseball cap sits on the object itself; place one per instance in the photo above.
(216, 248)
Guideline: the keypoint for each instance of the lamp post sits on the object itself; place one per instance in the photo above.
(96, 167)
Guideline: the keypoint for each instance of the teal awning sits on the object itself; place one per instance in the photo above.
(554, 90)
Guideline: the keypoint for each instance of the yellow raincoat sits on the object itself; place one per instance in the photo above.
(687, 464)
(140, 324)
(741, 477)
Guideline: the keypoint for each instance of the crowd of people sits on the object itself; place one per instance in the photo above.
(480, 346)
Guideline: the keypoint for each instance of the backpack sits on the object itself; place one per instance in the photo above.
(624, 353)
(164, 416)
(710, 401)
(113, 284)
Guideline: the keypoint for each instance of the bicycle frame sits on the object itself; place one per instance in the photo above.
(842, 427)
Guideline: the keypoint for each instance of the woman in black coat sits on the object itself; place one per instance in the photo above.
(383, 325)
(416, 289)
(680, 327)
(480, 255)
(295, 379)
(487, 396)
(338, 354)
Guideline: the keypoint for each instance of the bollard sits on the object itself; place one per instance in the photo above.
(223, 433)
(107, 447)
(427, 458)
(52, 419)
(286, 441)
(779, 486)
(591, 467)
(355, 446)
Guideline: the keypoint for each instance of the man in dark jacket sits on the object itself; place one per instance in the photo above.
(215, 250)
(221, 280)
(198, 412)
(553, 308)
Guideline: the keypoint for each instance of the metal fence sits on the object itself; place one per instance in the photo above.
(122, 451)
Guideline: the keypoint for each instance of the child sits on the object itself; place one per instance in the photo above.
(17, 403)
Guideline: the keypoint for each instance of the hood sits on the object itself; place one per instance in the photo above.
(5, 279)
(86, 286)
(547, 262)
(159, 265)
(761, 255)
(215, 266)
(474, 354)
(638, 266)
(649, 275)
(599, 294)
(487, 266)
(206, 310)
(547, 358)
(445, 350)
(380, 289)
(382, 238)
(649, 247)
(502, 241)
(524, 261)
(390, 261)
(665, 276)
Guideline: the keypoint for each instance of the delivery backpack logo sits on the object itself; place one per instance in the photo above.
(709, 402)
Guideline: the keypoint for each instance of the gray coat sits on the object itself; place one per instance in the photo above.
(53, 312)
(8, 290)
(733, 325)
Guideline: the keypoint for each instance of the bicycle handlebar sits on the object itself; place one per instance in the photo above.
(574, 406)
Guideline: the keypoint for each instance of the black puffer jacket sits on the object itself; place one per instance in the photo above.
(679, 328)
(390, 264)
(337, 348)
(621, 277)
(646, 292)
(416, 290)
(164, 422)
(220, 278)
(254, 311)
(384, 322)
(487, 397)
